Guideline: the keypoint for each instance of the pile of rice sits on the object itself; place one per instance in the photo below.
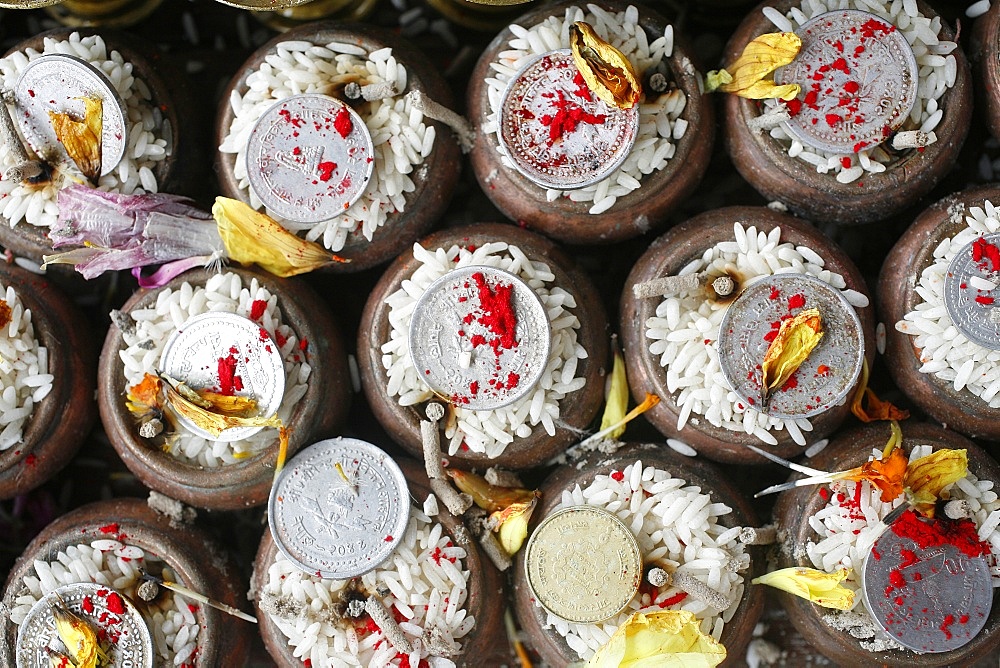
(488, 432)
(401, 138)
(24, 371)
(845, 539)
(112, 562)
(660, 124)
(146, 144)
(944, 351)
(428, 589)
(222, 293)
(685, 330)
(677, 528)
(936, 72)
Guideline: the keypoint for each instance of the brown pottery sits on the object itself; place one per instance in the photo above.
(986, 56)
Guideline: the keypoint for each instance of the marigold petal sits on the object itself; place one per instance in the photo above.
(665, 639)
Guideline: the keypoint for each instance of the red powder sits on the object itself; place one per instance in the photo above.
(833, 119)
(872, 28)
(845, 162)
(498, 311)
(851, 87)
(303, 344)
(568, 115)
(984, 300)
(775, 293)
(960, 533)
(823, 369)
(30, 460)
(791, 383)
(474, 387)
(109, 528)
(793, 106)
(257, 309)
(582, 90)
(388, 539)
(948, 621)
(87, 604)
(229, 382)
(512, 380)
(116, 604)
(986, 255)
(796, 301)
(326, 170)
(342, 123)
(673, 600)
(909, 557)
(617, 475)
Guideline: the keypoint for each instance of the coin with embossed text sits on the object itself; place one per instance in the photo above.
(556, 132)
(309, 158)
(754, 320)
(933, 599)
(859, 82)
(59, 83)
(480, 337)
(339, 523)
(970, 291)
(229, 354)
(583, 564)
(108, 613)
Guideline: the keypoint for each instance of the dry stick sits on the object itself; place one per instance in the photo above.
(668, 285)
(724, 286)
(371, 92)
(700, 590)
(911, 139)
(383, 619)
(456, 503)
(476, 520)
(25, 168)
(463, 130)
(765, 535)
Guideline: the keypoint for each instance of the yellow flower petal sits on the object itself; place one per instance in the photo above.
(616, 401)
(212, 422)
(749, 75)
(82, 139)
(512, 524)
(821, 588)
(492, 498)
(252, 237)
(927, 476)
(867, 407)
(79, 638)
(662, 639)
(796, 338)
(605, 69)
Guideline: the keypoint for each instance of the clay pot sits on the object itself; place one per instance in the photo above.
(765, 164)
(632, 215)
(576, 409)
(168, 91)
(482, 17)
(247, 483)
(199, 564)
(62, 420)
(984, 51)
(547, 642)
(485, 645)
(959, 410)
(115, 13)
(295, 15)
(848, 450)
(434, 179)
(666, 256)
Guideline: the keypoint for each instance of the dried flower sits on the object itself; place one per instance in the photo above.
(143, 399)
(82, 139)
(748, 76)
(206, 418)
(79, 638)
(512, 524)
(867, 407)
(252, 237)
(927, 476)
(605, 69)
(616, 397)
(510, 507)
(665, 638)
(821, 588)
(797, 337)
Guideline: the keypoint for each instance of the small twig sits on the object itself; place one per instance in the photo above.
(668, 285)
(765, 535)
(912, 139)
(201, 598)
(24, 168)
(456, 503)
(371, 92)
(390, 629)
(700, 590)
(768, 121)
(477, 521)
(463, 130)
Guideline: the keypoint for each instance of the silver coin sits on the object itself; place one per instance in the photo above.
(129, 645)
(583, 564)
(859, 82)
(933, 599)
(336, 528)
(970, 293)
(309, 158)
(226, 353)
(464, 348)
(752, 322)
(556, 132)
(59, 83)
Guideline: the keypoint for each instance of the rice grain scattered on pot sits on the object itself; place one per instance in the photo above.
(944, 351)
(660, 125)
(401, 139)
(428, 591)
(146, 144)
(685, 331)
(113, 562)
(937, 70)
(221, 293)
(488, 431)
(678, 528)
(24, 370)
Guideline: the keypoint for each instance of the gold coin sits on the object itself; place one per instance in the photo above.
(583, 564)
